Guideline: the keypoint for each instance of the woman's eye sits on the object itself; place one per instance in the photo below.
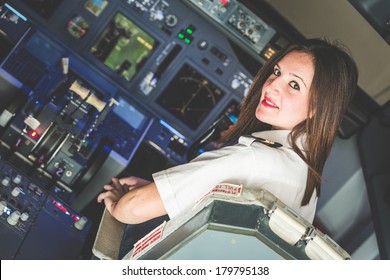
(276, 72)
(294, 85)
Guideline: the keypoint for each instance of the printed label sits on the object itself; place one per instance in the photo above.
(229, 190)
(147, 241)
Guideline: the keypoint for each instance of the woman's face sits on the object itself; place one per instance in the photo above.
(285, 95)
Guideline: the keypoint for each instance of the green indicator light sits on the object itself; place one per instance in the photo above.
(186, 40)
(180, 35)
(189, 31)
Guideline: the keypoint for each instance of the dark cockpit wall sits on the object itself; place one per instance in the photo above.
(374, 152)
(354, 205)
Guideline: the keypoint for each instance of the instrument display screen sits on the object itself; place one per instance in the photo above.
(190, 96)
(123, 46)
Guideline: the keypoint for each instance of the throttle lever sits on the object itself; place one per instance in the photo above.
(87, 96)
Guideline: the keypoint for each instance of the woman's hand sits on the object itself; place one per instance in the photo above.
(113, 192)
(132, 200)
(133, 182)
(119, 187)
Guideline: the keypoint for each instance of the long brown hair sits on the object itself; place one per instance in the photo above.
(333, 87)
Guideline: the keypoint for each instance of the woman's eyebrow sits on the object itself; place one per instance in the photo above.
(300, 79)
(295, 75)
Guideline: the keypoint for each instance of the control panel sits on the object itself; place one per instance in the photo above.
(31, 219)
(238, 21)
(180, 63)
(69, 133)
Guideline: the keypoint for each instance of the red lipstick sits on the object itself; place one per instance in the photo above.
(267, 102)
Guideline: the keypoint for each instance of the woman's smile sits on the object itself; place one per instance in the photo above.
(267, 102)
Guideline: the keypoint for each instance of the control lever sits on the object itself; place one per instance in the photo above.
(87, 96)
(106, 109)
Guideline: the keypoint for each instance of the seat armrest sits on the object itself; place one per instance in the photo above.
(108, 238)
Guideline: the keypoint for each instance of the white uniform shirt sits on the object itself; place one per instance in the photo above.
(251, 164)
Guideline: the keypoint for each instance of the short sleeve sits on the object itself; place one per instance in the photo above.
(181, 186)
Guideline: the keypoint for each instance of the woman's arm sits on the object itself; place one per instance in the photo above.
(132, 205)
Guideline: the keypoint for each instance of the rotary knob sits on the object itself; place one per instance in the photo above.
(171, 20)
(16, 191)
(80, 224)
(3, 205)
(235, 83)
(13, 218)
(24, 217)
(17, 179)
(5, 181)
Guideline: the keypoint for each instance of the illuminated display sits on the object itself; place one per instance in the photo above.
(33, 134)
(77, 26)
(276, 45)
(7, 211)
(129, 114)
(96, 7)
(65, 210)
(267, 53)
(39, 47)
(10, 14)
(186, 35)
(190, 96)
(123, 46)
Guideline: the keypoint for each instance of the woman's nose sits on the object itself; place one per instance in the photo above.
(275, 87)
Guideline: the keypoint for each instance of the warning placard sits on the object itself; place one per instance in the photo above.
(226, 189)
(147, 241)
